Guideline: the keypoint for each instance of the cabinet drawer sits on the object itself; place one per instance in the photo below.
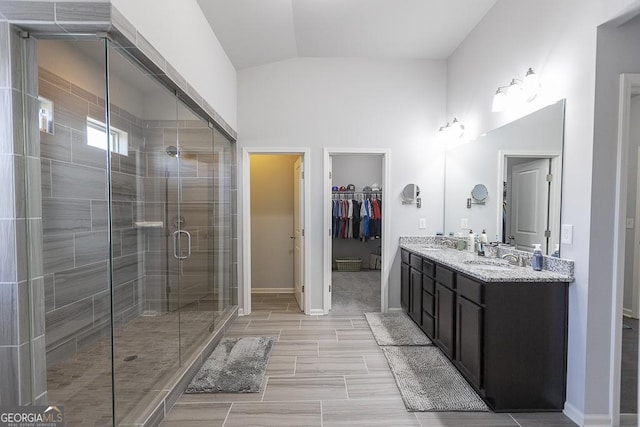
(428, 324)
(428, 284)
(427, 303)
(470, 289)
(446, 277)
(404, 256)
(428, 268)
(416, 262)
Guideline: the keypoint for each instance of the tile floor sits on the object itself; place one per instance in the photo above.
(324, 371)
(83, 384)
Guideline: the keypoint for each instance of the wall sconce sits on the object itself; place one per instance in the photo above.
(453, 129)
(517, 92)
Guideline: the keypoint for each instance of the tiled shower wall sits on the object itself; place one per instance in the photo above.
(74, 210)
(22, 341)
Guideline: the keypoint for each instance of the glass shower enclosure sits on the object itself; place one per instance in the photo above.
(136, 231)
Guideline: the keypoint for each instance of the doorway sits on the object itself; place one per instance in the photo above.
(625, 333)
(356, 248)
(534, 218)
(275, 247)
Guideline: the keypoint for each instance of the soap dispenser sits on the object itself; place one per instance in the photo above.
(536, 261)
(556, 251)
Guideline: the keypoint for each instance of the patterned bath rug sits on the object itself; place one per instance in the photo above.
(429, 382)
(395, 328)
(236, 365)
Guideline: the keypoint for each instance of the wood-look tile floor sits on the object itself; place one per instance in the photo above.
(324, 371)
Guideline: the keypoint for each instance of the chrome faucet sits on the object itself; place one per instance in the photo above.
(511, 257)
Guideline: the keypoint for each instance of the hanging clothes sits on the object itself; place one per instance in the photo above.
(376, 219)
(356, 219)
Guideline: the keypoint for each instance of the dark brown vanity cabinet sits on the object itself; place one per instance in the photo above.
(508, 339)
(469, 330)
(411, 286)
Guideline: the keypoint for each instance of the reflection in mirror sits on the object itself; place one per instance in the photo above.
(410, 193)
(479, 193)
(522, 161)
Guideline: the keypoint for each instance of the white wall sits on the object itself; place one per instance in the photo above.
(272, 221)
(557, 39)
(317, 103)
(181, 33)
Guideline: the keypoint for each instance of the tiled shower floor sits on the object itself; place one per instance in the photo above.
(83, 385)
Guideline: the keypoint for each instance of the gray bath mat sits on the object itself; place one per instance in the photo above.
(395, 328)
(237, 365)
(429, 382)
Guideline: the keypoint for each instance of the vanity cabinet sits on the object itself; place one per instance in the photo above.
(508, 339)
(469, 338)
(411, 286)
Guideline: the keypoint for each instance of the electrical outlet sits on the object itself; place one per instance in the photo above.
(567, 234)
(464, 223)
(630, 223)
(422, 223)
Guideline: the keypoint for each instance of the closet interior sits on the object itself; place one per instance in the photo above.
(356, 225)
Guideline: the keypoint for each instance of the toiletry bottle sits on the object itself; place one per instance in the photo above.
(483, 237)
(556, 251)
(536, 261)
(471, 241)
(43, 120)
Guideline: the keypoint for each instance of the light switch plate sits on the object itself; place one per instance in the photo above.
(567, 234)
(630, 222)
(464, 223)
(422, 223)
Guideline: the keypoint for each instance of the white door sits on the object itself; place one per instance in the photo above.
(530, 205)
(298, 232)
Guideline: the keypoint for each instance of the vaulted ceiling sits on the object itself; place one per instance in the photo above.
(255, 32)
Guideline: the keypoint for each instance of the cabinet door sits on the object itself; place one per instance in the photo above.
(404, 286)
(445, 311)
(415, 302)
(469, 321)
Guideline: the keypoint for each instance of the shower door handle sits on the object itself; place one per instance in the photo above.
(176, 236)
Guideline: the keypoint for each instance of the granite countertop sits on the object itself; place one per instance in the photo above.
(486, 269)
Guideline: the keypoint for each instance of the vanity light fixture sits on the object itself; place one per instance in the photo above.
(453, 129)
(499, 100)
(517, 92)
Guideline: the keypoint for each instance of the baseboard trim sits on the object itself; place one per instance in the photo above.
(573, 413)
(240, 311)
(316, 312)
(271, 290)
(628, 313)
(578, 417)
(395, 309)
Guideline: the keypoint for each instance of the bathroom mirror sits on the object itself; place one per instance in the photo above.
(479, 193)
(410, 193)
(520, 163)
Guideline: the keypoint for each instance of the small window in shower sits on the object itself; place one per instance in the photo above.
(96, 137)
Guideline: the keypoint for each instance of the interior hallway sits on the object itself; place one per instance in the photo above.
(324, 371)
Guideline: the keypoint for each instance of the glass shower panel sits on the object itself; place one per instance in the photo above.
(144, 185)
(224, 276)
(196, 193)
(75, 225)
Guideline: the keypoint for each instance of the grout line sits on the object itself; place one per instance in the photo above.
(516, 421)
(364, 359)
(321, 415)
(295, 365)
(226, 417)
(346, 388)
